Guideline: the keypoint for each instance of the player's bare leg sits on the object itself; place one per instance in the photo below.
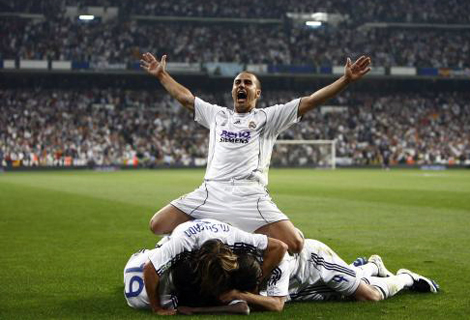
(167, 219)
(286, 232)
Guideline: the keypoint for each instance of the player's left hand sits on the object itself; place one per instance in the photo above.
(355, 71)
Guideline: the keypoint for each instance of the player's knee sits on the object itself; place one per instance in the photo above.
(369, 294)
(155, 225)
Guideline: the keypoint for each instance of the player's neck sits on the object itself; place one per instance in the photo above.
(242, 109)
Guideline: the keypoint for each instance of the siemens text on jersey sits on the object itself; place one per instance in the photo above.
(235, 137)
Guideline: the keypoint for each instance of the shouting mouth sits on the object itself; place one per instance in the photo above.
(241, 96)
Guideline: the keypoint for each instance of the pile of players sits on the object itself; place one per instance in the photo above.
(255, 258)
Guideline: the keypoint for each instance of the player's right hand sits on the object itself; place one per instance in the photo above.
(150, 64)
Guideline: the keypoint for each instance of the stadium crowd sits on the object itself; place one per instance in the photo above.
(122, 42)
(117, 127)
(416, 11)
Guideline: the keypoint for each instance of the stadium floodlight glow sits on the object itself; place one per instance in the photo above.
(319, 16)
(313, 24)
(86, 17)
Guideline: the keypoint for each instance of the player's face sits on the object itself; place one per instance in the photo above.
(245, 92)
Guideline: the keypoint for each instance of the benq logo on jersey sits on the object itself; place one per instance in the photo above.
(235, 137)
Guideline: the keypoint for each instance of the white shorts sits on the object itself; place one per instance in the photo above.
(245, 205)
(323, 275)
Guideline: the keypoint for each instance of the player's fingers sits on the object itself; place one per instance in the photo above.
(360, 60)
(151, 57)
(348, 62)
(164, 60)
(363, 72)
(365, 63)
(146, 57)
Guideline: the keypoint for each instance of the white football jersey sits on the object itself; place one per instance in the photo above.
(316, 273)
(240, 144)
(191, 235)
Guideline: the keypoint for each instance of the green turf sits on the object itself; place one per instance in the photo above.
(66, 236)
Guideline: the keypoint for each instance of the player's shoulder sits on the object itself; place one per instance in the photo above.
(293, 102)
(200, 102)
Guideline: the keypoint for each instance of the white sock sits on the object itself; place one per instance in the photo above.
(390, 286)
(369, 269)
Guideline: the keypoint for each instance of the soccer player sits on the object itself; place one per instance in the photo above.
(318, 273)
(241, 142)
(146, 281)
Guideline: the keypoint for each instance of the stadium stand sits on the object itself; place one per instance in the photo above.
(417, 11)
(42, 125)
(112, 127)
(119, 41)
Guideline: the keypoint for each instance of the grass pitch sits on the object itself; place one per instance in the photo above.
(66, 236)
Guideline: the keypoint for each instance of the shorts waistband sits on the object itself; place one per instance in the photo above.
(235, 182)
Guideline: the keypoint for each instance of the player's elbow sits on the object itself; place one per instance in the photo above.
(187, 101)
(278, 305)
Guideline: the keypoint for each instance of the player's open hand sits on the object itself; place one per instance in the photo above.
(151, 64)
(355, 71)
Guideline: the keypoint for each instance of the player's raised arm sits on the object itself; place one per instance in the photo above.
(158, 69)
(352, 72)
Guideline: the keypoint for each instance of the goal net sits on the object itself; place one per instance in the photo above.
(304, 153)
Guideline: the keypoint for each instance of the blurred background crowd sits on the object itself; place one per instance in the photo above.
(116, 127)
(43, 125)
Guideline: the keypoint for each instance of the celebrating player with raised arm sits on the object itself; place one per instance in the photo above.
(146, 272)
(240, 147)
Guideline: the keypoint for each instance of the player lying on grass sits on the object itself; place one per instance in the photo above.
(319, 274)
(146, 274)
(240, 147)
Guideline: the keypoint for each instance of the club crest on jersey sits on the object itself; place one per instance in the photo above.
(252, 125)
(235, 137)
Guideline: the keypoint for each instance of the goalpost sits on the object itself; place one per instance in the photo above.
(305, 153)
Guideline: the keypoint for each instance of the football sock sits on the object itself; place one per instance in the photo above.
(369, 269)
(392, 285)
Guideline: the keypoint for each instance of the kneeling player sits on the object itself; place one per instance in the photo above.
(318, 273)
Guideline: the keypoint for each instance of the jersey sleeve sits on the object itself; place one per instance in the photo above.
(246, 241)
(281, 116)
(278, 283)
(204, 112)
(163, 257)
